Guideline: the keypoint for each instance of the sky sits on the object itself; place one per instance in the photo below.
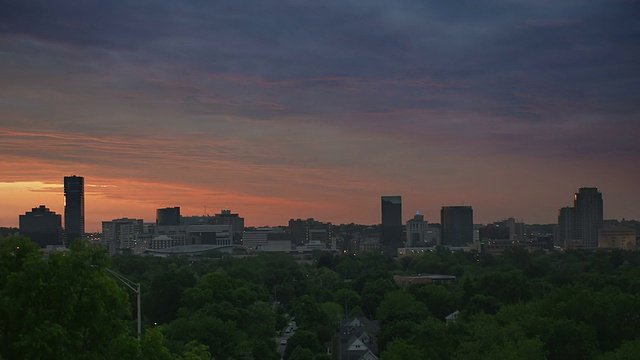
(297, 109)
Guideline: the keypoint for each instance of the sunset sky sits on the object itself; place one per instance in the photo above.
(296, 109)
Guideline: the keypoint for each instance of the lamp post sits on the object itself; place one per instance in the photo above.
(133, 286)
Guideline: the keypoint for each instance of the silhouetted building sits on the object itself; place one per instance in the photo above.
(417, 231)
(73, 208)
(589, 216)
(391, 229)
(367, 240)
(565, 232)
(226, 217)
(168, 216)
(578, 226)
(304, 231)
(494, 232)
(42, 226)
(209, 234)
(456, 224)
(260, 237)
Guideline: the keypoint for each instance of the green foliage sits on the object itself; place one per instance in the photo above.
(302, 339)
(152, 346)
(301, 353)
(165, 294)
(401, 305)
(440, 300)
(333, 314)
(628, 351)
(66, 306)
(399, 350)
(372, 294)
(578, 304)
(196, 351)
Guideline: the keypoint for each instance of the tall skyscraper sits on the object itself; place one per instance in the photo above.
(391, 231)
(565, 232)
(73, 208)
(578, 225)
(42, 226)
(589, 215)
(456, 225)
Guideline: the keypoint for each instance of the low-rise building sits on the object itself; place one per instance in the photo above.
(618, 237)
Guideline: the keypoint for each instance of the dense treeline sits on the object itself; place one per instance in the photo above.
(576, 304)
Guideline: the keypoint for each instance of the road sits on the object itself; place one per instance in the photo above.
(282, 340)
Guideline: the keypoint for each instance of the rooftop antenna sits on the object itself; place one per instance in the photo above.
(205, 209)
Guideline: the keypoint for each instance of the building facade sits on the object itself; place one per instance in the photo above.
(619, 237)
(578, 226)
(226, 217)
(168, 216)
(304, 230)
(122, 234)
(417, 231)
(42, 226)
(391, 229)
(456, 224)
(589, 216)
(73, 208)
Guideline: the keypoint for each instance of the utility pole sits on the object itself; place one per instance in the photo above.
(135, 287)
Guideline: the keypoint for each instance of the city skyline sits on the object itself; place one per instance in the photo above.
(296, 110)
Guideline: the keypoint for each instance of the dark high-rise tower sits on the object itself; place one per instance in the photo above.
(73, 208)
(456, 225)
(589, 216)
(565, 233)
(578, 225)
(391, 231)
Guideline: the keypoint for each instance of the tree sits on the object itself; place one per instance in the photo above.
(66, 306)
(400, 350)
(401, 305)
(196, 351)
(165, 295)
(303, 339)
(301, 353)
(152, 346)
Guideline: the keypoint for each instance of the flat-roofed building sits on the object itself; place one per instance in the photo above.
(42, 226)
(617, 238)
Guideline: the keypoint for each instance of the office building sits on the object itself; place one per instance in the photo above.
(578, 226)
(391, 229)
(417, 231)
(73, 208)
(565, 232)
(226, 217)
(42, 226)
(618, 237)
(122, 234)
(589, 216)
(456, 224)
(168, 216)
(305, 230)
(209, 235)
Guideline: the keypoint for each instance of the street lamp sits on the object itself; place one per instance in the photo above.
(136, 289)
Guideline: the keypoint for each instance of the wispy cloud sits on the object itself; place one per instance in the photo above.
(308, 105)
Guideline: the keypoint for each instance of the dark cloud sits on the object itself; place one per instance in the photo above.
(327, 82)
